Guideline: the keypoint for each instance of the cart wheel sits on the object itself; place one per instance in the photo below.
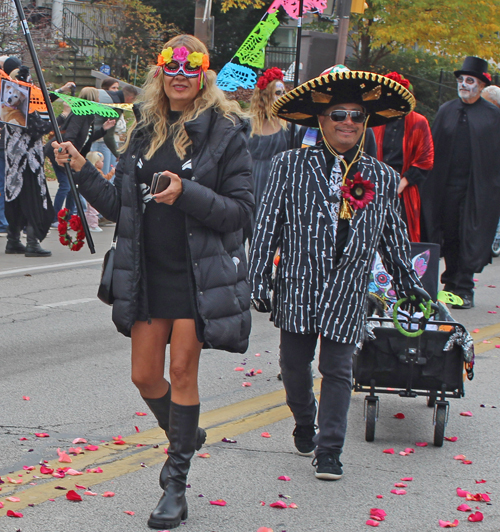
(371, 415)
(431, 400)
(440, 425)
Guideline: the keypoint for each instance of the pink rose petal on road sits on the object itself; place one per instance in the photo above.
(73, 472)
(278, 504)
(11, 513)
(371, 522)
(400, 485)
(94, 470)
(264, 528)
(459, 457)
(285, 478)
(421, 444)
(475, 331)
(492, 312)
(41, 435)
(293, 506)
(478, 516)
(497, 346)
(1, 504)
(92, 448)
(23, 439)
(204, 455)
(79, 440)
(388, 451)
(28, 468)
(451, 438)
(246, 384)
(478, 497)
(464, 508)
(265, 435)
(462, 493)
(480, 481)
(409, 450)
(13, 499)
(75, 450)
(407, 479)
(380, 496)
(491, 286)
(108, 494)
(219, 502)
(467, 462)
(258, 372)
(399, 492)
(239, 369)
(26, 398)
(378, 514)
(14, 481)
(91, 493)
(46, 470)
(140, 414)
(128, 512)
(466, 414)
(63, 457)
(448, 524)
(399, 415)
(78, 487)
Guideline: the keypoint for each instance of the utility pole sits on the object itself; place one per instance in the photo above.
(204, 23)
(343, 13)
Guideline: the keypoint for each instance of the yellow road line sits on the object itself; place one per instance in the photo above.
(268, 409)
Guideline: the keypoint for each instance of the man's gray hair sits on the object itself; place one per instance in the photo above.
(492, 94)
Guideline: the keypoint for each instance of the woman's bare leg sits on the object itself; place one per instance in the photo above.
(149, 341)
(185, 352)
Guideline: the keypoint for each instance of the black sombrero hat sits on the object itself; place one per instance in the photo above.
(384, 99)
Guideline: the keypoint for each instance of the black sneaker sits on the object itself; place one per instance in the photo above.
(328, 466)
(303, 437)
(468, 302)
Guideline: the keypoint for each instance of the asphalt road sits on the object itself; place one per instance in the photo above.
(60, 349)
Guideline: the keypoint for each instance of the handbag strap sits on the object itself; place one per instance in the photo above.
(115, 234)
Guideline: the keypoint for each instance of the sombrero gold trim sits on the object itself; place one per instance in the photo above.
(320, 97)
(390, 113)
(374, 94)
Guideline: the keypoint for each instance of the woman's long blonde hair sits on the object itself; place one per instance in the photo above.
(155, 104)
(261, 108)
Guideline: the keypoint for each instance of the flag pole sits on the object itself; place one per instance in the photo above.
(52, 116)
(297, 63)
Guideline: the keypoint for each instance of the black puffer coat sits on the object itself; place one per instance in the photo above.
(218, 201)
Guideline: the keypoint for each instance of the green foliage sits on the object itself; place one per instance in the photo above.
(442, 27)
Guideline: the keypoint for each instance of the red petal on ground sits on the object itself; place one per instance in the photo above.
(73, 472)
(11, 513)
(118, 438)
(75, 450)
(140, 414)
(46, 470)
(78, 487)
(448, 524)
(278, 504)
(220, 502)
(459, 457)
(41, 435)
(265, 435)
(378, 514)
(129, 512)
(91, 493)
(264, 529)
(399, 415)
(480, 481)
(409, 450)
(72, 495)
(388, 451)
(371, 522)
(451, 438)
(14, 481)
(63, 457)
(239, 369)
(475, 331)
(108, 494)
(31, 467)
(204, 455)
(399, 492)
(464, 508)
(94, 470)
(285, 478)
(421, 444)
(462, 493)
(79, 440)
(491, 286)
(13, 499)
(92, 448)
(380, 496)
(407, 479)
(258, 372)
(23, 439)
(246, 384)
(26, 397)
(478, 497)
(467, 462)
(137, 429)
(293, 505)
(478, 516)
(400, 485)
(1, 504)
(466, 414)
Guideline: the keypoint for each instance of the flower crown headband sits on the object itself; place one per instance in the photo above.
(269, 75)
(197, 62)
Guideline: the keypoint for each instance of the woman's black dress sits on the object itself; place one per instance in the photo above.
(168, 268)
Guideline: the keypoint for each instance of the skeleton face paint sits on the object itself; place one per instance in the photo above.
(279, 90)
(469, 88)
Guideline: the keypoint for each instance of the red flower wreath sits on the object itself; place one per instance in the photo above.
(75, 224)
(269, 75)
(358, 192)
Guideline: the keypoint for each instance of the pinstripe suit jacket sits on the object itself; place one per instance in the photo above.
(313, 293)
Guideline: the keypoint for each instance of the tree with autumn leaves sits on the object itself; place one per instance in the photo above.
(446, 28)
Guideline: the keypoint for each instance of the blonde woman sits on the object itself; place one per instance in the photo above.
(180, 266)
(269, 135)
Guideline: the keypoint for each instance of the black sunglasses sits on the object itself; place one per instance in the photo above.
(339, 115)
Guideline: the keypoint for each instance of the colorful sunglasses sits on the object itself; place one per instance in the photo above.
(184, 68)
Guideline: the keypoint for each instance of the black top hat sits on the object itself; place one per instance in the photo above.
(475, 66)
(383, 98)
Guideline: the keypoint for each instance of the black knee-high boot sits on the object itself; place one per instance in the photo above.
(172, 508)
(161, 410)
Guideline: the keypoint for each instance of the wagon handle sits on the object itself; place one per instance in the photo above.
(426, 308)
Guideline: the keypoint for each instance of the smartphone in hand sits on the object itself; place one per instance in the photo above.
(159, 183)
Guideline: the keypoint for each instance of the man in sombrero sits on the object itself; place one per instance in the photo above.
(328, 209)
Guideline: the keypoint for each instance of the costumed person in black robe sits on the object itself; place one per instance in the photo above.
(461, 197)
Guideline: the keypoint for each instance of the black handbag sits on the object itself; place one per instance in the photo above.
(105, 291)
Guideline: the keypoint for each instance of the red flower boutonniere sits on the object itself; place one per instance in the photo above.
(75, 224)
(358, 192)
